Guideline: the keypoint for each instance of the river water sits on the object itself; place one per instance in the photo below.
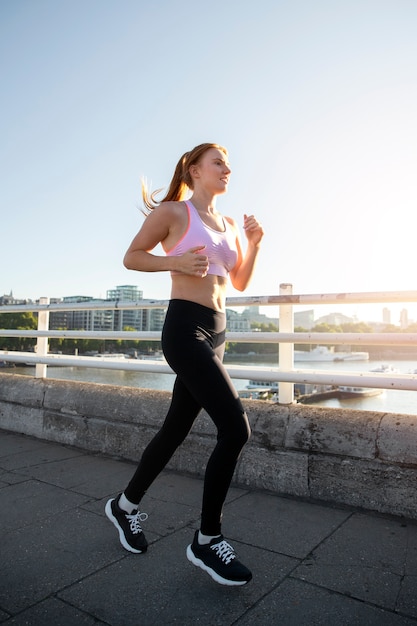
(391, 400)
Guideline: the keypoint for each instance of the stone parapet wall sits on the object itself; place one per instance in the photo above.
(358, 458)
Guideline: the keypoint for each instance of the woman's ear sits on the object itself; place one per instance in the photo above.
(194, 171)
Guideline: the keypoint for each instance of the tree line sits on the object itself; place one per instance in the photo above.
(28, 321)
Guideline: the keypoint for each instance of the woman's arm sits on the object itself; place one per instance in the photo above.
(164, 222)
(155, 229)
(242, 272)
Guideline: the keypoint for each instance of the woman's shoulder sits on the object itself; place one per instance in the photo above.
(171, 207)
(172, 215)
(169, 210)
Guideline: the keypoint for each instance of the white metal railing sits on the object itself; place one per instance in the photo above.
(285, 374)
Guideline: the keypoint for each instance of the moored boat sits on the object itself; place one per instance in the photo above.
(345, 391)
(264, 384)
(114, 356)
(256, 393)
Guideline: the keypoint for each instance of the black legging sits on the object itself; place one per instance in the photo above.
(193, 340)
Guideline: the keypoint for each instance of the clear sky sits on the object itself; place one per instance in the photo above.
(315, 101)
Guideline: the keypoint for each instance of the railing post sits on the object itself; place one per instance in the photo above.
(41, 347)
(286, 350)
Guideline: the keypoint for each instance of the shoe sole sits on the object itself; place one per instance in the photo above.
(109, 513)
(215, 576)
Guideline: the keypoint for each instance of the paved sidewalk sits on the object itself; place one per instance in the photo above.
(62, 564)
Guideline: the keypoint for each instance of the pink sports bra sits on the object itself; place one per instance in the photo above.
(220, 247)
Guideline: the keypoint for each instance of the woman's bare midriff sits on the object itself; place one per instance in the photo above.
(209, 291)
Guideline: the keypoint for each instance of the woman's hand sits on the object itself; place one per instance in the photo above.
(193, 263)
(253, 229)
(241, 274)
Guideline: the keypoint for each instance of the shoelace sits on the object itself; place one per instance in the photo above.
(134, 521)
(224, 551)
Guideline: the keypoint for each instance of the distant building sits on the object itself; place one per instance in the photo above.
(335, 319)
(255, 317)
(128, 318)
(237, 322)
(9, 299)
(85, 319)
(304, 319)
(125, 292)
(58, 319)
(404, 322)
(155, 319)
(138, 318)
(386, 316)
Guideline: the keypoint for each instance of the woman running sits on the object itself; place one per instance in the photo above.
(202, 249)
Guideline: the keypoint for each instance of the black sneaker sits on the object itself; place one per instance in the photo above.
(219, 559)
(130, 531)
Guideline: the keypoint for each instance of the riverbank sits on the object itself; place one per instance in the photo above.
(315, 398)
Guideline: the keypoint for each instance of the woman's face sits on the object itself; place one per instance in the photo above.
(212, 171)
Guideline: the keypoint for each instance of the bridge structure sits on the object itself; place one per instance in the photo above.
(359, 458)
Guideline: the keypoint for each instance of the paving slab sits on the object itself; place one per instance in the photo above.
(163, 587)
(365, 558)
(32, 501)
(285, 525)
(25, 456)
(51, 554)
(53, 612)
(89, 475)
(296, 603)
